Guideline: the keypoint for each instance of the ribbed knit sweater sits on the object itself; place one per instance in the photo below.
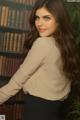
(40, 74)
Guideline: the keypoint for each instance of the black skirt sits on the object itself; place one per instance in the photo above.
(36, 108)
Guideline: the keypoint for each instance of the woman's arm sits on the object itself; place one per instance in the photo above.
(33, 60)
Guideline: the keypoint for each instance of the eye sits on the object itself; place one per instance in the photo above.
(36, 18)
(47, 18)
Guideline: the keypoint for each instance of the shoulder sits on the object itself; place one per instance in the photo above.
(40, 44)
(46, 44)
(43, 41)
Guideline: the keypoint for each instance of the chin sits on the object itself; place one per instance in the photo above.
(42, 35)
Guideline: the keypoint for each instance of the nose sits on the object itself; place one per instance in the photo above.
(40, 22)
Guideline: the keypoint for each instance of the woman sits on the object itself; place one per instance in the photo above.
(50, 66)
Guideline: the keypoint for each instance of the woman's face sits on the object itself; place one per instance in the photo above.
(45, 22)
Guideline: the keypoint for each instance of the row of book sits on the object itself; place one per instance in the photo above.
(31, 2)
(12, 112)
(14, 18)
(12, 42)
(8, 65)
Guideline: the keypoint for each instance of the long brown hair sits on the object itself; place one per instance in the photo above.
(64, 34)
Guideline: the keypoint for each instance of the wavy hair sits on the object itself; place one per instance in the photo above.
(64, 34)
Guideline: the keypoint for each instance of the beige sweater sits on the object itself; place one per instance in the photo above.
(40, 74)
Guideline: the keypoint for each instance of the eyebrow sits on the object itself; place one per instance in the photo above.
(44, 16)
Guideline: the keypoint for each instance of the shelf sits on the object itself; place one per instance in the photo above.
(13, 26)
(15, 5)
(12, 54)
(13, 30)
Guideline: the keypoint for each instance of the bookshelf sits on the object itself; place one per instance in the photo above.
(14, 17)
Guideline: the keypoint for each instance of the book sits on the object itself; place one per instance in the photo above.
(1, 61)
(0, 13)
(1, 41)
(4, 16)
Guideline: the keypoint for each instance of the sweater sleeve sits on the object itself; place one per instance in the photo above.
(33, 60)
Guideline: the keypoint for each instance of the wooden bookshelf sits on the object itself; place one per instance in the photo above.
(14, 23)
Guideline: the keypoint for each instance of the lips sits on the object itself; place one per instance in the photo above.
(42, 30)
